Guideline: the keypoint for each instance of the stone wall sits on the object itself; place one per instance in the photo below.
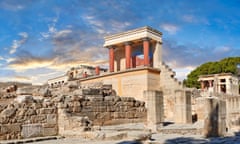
(105, 110)
(168, 85)
(233, 112)
(66, 113)
(27, 118)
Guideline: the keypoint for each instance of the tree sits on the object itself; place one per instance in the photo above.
(226, 65)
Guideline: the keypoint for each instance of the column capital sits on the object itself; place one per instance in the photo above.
(128, 43)
(110, 47)
(146, 39)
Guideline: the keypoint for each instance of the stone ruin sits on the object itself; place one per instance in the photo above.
(70, 110)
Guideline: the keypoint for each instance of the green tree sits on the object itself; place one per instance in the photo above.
(226, 65)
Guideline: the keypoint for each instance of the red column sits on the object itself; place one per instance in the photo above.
(111, 59)
(97, 70)
(202, 85)
(128, 51)
(146, 51)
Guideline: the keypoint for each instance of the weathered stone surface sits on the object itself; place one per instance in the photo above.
(8, 128)
(32, 116)
(8, 113)
(47, 110)
(31, 130)
(46, 131)
(51, 119)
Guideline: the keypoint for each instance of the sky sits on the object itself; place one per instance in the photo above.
(42, 39)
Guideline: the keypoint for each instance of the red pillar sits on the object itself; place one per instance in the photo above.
(202, 85)
(128, 51)
(111, 59)
(97, 70)
(146, 51)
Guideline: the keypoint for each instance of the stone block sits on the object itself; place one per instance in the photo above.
(128, 99)
(91, 91)
(38, 118)
(9, 112)
(111, 98)
(47, 110)
(95, 98)
(111, 108)
(8, 128)
(31, 130)
(119, 115)
(215, 119)
(47, 125)
(51, 118)
(100, 109)
(154, 109)
(49, 131)
(183, 111)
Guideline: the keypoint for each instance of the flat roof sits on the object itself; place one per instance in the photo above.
(131, 35)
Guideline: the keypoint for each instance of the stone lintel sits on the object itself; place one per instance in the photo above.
(132, 35)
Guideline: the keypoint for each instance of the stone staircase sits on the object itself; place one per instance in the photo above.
(169, 84)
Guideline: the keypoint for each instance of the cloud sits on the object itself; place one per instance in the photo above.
(24, 78)
(170, 28)
(26, 63)
(63, 33)
(18, 43)
(191, 55)
(51, 28)
(181, 73)
(16, 78)
(12, 5)
(195, 19)
(99, 25)
(189, 18)
(1, 58)
(222, 49)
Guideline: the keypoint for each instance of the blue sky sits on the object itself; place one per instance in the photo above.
(41, 39)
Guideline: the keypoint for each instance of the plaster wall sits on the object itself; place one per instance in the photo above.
(130, 83)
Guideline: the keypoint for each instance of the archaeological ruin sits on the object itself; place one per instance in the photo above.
(138, 87)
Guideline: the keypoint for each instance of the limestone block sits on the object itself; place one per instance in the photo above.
(94, 98)
(25, 91)
(8, 128)
(30, 112)
(111, 98)
(154, 108)
(51, 118)
(47, 110)
(46, 131)
(215, 120)
(9, 112)
(38, 118)
(24, 99)
(110, 108)
(127, 99)
(117, 115)
(91, 91)
(31, 130)
(183, 111)
(100, 109)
